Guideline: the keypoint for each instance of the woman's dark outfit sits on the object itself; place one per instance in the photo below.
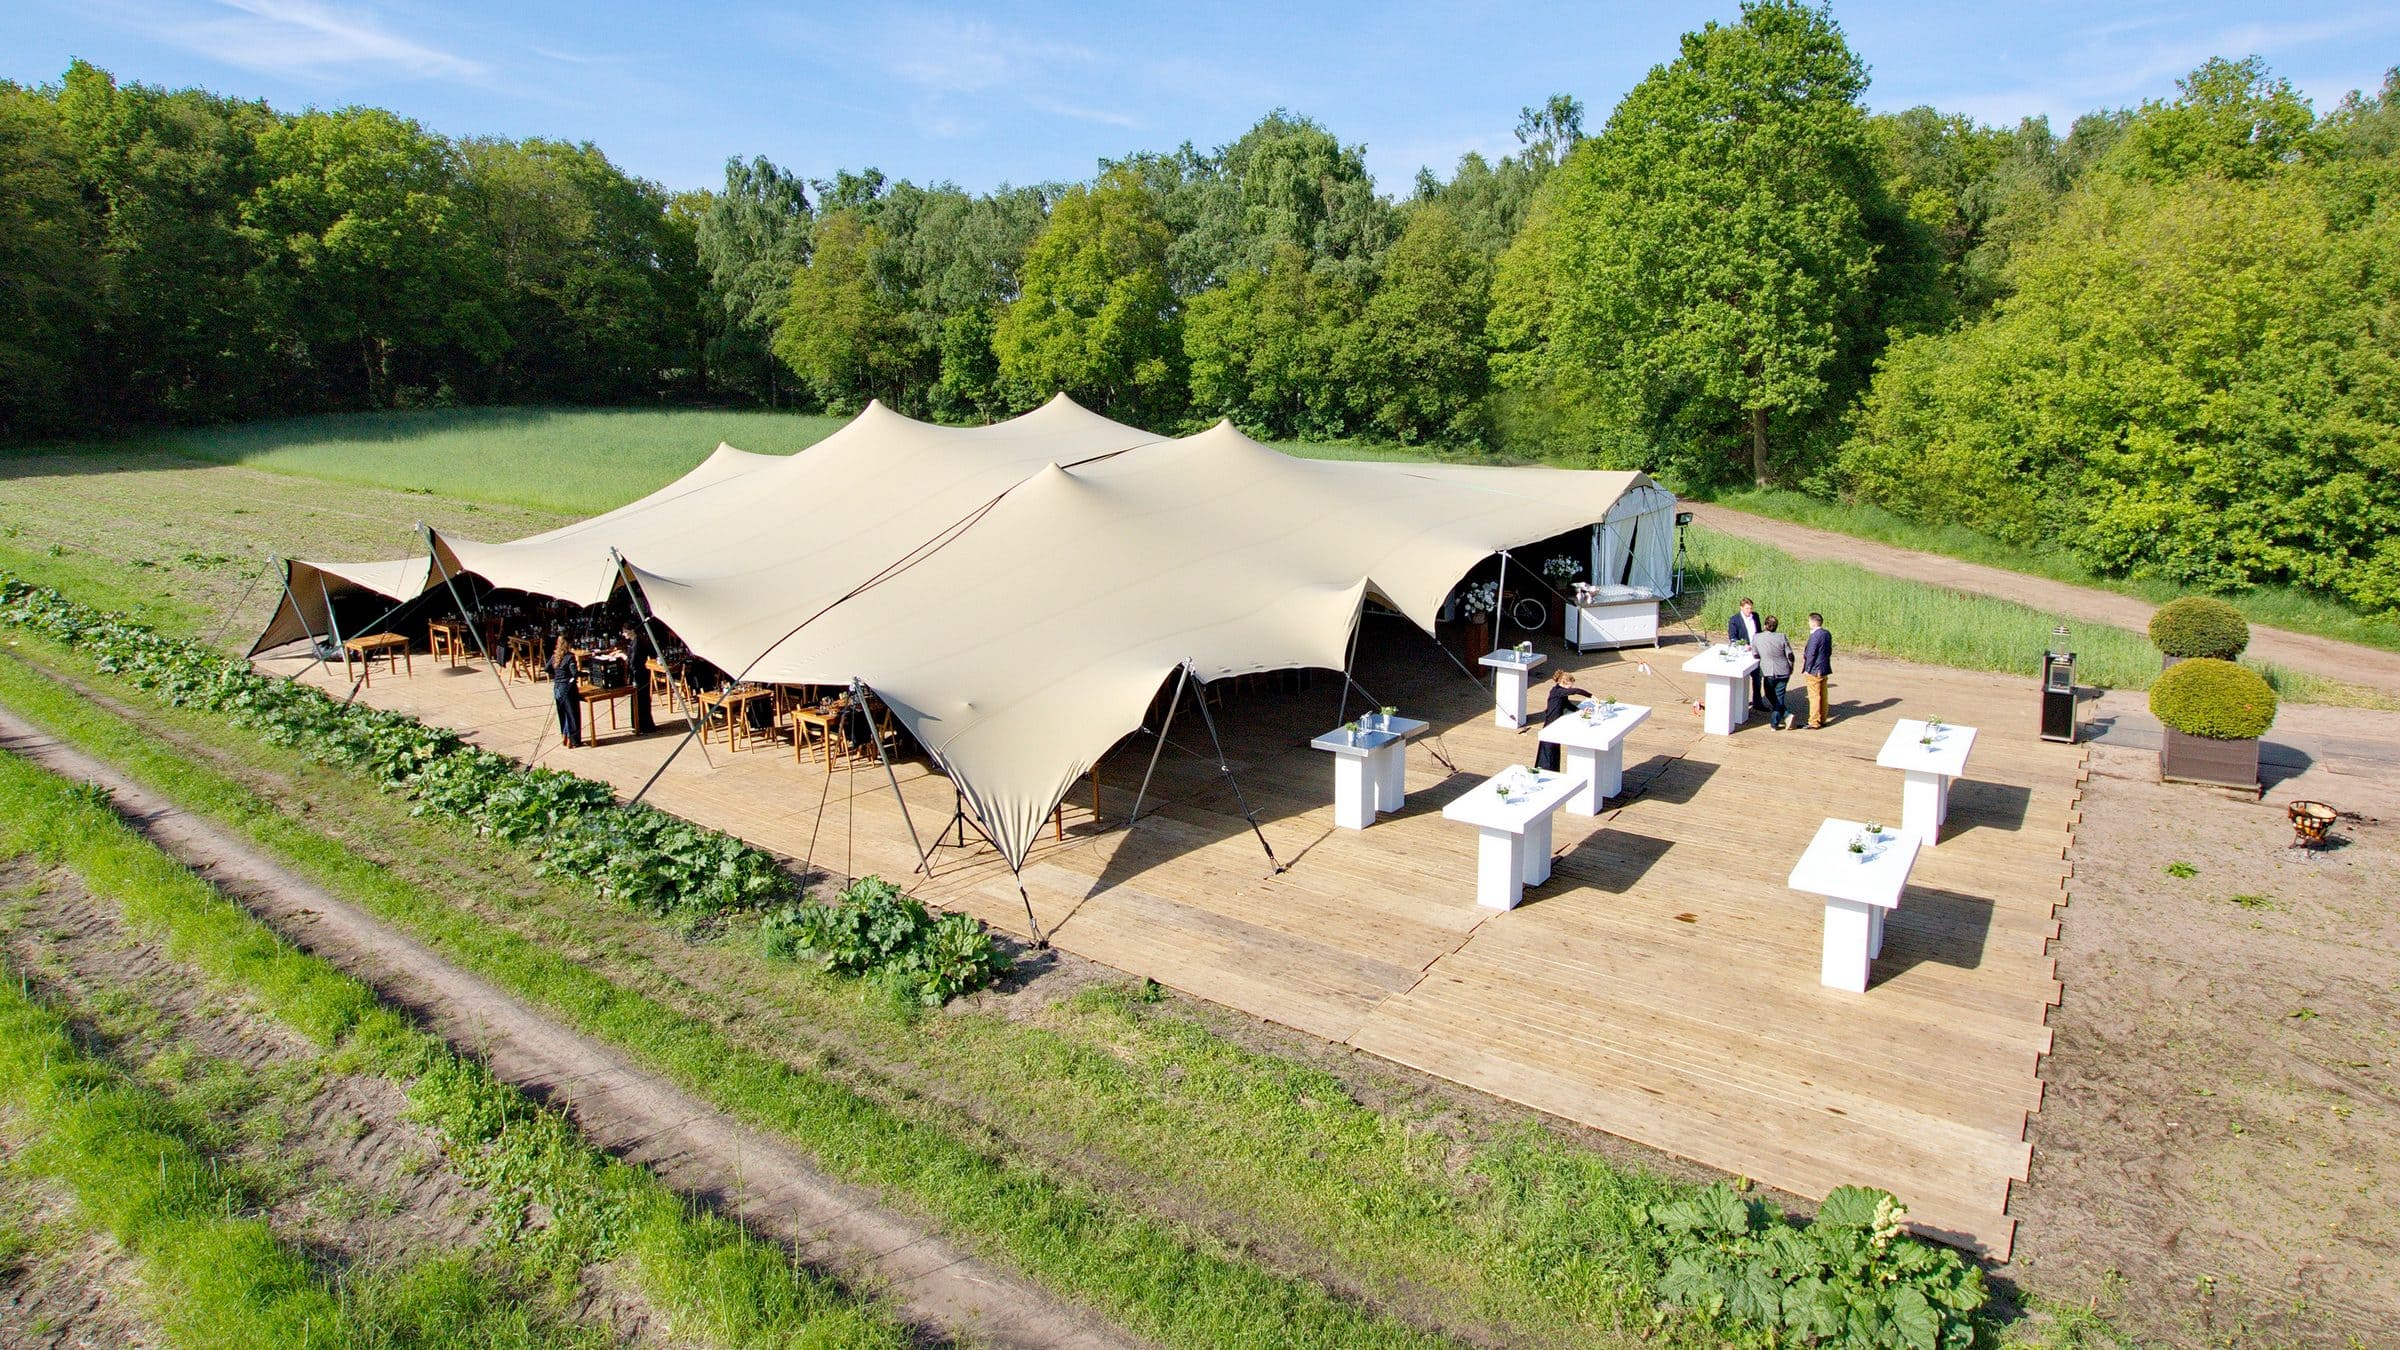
(1546, 758)
(570, 703)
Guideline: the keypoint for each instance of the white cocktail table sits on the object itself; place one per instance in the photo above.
(1370, 772)
(1727, 670)
(1925, 792)
(1511, 672)
(1857, 888)
(1592, 745)
(1514, 849)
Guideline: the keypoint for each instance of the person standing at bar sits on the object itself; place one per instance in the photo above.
(1562, 696)
(1775, 667)
(1743, 627)
(1816, 669)
(637, 664)
(564, 678)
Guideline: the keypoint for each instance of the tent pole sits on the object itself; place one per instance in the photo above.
(1165, 725)
(1227, 770)
(858, 692)
(315, 649)
(334, 625)
(474, 630)
(641, 612)
(1500, 602)
(1358, 621)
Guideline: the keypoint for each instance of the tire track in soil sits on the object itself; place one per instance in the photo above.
(82, 1290)
(635, 1114)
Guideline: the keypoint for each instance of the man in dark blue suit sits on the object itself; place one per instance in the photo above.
(1743, 627)
(1816, 669)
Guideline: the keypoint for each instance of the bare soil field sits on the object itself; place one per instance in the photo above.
(2219, 1143)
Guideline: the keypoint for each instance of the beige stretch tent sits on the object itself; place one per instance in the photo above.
(1018, 593)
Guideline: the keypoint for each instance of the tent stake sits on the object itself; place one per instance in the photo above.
(433, 556)
(1040, 942)
(1201, 697)
(858, 692)
(1165, 725)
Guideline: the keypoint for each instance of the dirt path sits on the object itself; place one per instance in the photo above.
(2334, 660)
(619, 1106)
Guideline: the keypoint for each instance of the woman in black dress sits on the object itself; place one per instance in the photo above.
(1546, 757)
(563, 680)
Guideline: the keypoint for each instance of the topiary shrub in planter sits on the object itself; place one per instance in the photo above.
(2214, 712)
(2199, 626)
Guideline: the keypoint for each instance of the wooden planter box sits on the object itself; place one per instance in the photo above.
(2197, 759)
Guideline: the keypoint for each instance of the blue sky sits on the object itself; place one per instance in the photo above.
(1018, 92)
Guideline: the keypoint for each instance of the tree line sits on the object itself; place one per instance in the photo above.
(2161, 339)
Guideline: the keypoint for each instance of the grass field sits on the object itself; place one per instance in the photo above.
(2273, 606)
(575, 461)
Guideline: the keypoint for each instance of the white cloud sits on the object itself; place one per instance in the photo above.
(2107, 72)
(1103, 116)
(970, 56)
(305, 39)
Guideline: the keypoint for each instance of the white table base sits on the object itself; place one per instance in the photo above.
(1508, 695)
(1506, 863)
(1925, 803)
(1391, 779)
(1602, 772)
(1728, 704)
(1354, 792)
(1853, 939)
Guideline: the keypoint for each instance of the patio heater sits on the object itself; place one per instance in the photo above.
(2058, 689)
(1683, 522)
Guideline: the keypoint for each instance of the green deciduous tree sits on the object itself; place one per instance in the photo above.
(2194, 380)
(843, 330)
(1714, 245)
(752, 239)
(365, 239)
(50, 277)
(1266, 348)
(1095, 316)
(1419, 362)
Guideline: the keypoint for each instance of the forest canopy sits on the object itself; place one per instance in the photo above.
(2162, 340)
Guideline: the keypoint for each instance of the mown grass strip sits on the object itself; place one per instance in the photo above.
(221, 1279)
(701, 1271)
(1155, 1278)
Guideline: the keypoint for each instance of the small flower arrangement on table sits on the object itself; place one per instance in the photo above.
(1352, 729)
(1858, 846)
(1476, 603)
(1388, 712)
(1561, 569)
(1524, 649)
(1875, 829)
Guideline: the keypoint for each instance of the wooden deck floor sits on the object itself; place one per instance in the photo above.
(1662, 986)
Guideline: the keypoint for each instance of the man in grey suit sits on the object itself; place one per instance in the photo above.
(1774, 668)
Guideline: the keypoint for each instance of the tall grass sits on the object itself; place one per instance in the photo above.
(701, 1271)
(574, 460)
(1917, 621)
(2273, 606)
(133, 1162)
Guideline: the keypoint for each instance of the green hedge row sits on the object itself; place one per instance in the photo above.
(572, 826)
